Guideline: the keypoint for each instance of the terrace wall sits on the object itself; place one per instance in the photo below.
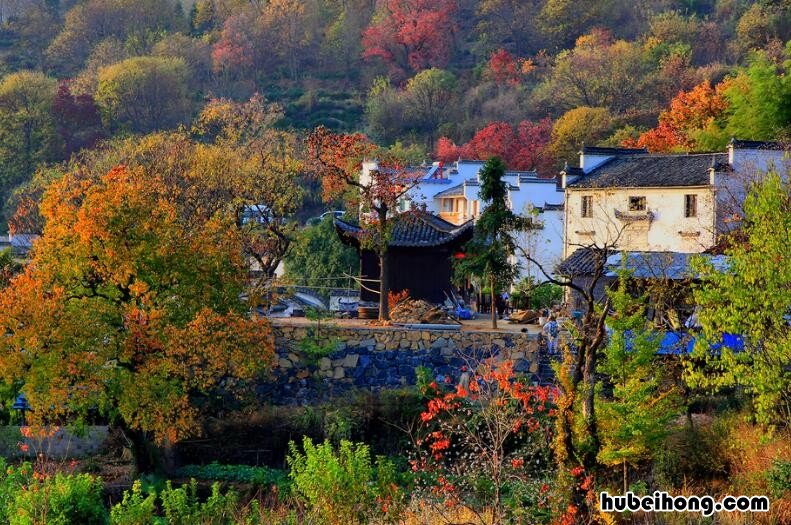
(376, 358)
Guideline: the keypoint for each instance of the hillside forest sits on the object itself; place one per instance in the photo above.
(528, 80)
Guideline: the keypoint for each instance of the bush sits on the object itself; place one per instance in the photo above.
(342, 487)
(135, 507)
(214, 471)
(59, 500)
(779, 478)
(182, 507)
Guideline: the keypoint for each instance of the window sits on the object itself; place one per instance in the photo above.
(690, 205)
(587, 206)
(636, 203)
(447, 205)
(474, 208)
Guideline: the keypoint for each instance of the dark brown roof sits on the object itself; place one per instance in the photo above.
(652, 171)
(414, 229)
(603, 150)
(581, 263)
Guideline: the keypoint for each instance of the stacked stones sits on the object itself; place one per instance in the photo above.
(386, 357)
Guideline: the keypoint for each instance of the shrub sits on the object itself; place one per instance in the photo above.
(214, 471)
(182, 507)
(342, 487)
(59, 500)
(779, 477)
(135, 508)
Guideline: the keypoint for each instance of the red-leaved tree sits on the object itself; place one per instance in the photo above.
(411, 35)
(493, 430)
(523, 147)
(337, 159)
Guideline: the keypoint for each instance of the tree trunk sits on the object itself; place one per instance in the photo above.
(384, 288)
(625, 478)
(493, 294)
(143, 451)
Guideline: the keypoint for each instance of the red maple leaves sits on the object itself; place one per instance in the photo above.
(411, 34)
(522, 147)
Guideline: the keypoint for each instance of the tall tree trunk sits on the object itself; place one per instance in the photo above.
(143, 450)
(384, 288)
(493, 294)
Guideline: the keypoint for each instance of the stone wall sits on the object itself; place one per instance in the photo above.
(386, 357)
(56, 443)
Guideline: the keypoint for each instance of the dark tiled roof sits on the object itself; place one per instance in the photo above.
(455, 191)
(758, 144)
(553, 207)
(651, 171)
(414, 229)
(580, 263)
(597, 150)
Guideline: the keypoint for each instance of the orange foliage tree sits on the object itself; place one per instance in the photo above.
(129, 312)
(690, 114)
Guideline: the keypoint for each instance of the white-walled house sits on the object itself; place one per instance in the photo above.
(653, 204)
(452, 193)
(660, 203)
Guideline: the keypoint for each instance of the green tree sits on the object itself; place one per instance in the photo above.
(319, 258)
(633, 420)
(578, 127)
(429, 95)
(489, 254)
(145, 93)
(758, 100)
(27, 129)
(752, 297)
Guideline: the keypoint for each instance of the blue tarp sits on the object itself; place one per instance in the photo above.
(678, 343)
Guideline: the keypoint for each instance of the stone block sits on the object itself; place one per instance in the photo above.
(340, 373)
(325, 363)
(350, 361)
(284, 363)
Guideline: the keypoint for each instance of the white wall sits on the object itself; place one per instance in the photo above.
(660, 234)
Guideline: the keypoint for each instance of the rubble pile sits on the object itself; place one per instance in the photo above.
(418, 311)
(523, 317)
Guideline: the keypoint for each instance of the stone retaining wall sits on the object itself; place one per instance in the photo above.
(376, 358)
(56, 443)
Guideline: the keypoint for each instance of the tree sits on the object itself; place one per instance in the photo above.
(428, 95)
(690, 115)
(145, 93)
(411, 35)
(337, 160)
(130, 311)
(136, 23)
(490, 252)
(77, 119)
(522, 147)
(578, 127)
(634, 419)
(27, 129)
(487, 435)
(598, 72)
(385, 111)
(750, 297)
(318, 258)
(508, 24)
(291, 21)
(758, 105)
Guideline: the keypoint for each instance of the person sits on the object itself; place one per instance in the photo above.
(505, 298)
(551, 331)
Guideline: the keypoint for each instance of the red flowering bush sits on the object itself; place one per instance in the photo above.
(485, 444)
